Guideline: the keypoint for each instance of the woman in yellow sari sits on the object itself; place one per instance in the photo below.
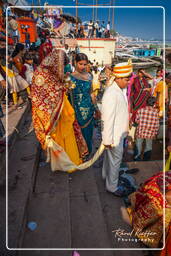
(14, 85)
(53, 116)
(161, 92)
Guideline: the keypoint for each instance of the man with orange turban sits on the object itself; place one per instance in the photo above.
(115, 122)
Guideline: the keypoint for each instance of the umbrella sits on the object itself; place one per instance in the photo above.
(71, 18)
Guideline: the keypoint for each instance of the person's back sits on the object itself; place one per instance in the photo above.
(147, 119)
(140, 92)
(27, 36)
(90, 24)
(108, 27)
(148, 122)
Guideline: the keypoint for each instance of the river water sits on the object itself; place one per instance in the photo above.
(152, 70)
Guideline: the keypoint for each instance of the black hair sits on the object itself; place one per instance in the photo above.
(151, 101)
(66, 60)
(168, 75)
(2, 39)
(140, 70)
(28, 56)
(159, 69)
(81, 56)
(19, 47)
(168, 56)
(32, 48)
(95, 70)
(43, 40)
(2, 53)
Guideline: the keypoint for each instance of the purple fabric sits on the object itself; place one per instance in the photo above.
(57, 23)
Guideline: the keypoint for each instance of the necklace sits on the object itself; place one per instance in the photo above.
(82, 75)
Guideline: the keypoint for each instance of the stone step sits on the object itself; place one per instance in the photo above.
(22, 163)
(87, 220)
(49, 207)
(67, 211)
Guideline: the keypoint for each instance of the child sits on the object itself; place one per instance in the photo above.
(27, 69)
(16, 83)
(95, 82)
(147, 119)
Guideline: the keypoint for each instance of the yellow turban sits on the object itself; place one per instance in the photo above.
(123, 69)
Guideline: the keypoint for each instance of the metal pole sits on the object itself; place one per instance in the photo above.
(76, 9)
(93, 11)
(113, 15)
(76, 15)
(109, 11)
(96, 10)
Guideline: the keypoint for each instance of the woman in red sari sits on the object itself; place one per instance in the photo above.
(45, 49)
(147, 211)
(53, 116)
(140, 91)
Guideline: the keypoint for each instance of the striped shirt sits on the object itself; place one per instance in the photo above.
(148, 123)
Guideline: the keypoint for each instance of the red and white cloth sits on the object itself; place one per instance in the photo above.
(148, 123)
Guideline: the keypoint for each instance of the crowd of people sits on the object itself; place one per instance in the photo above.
(56, 24)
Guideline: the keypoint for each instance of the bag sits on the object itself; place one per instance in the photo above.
(128, 182)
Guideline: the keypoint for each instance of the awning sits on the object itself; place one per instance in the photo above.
(71, 18)
(21, 4)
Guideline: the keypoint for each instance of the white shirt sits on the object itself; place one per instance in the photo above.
(90, 25)
(115, 117)
(100, 69)
(108, 27)
(29, 73)
(96, 25)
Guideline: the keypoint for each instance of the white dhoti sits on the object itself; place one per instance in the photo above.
(111, 166)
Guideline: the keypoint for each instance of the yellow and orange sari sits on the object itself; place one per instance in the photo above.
(161, 98)
(53, 116)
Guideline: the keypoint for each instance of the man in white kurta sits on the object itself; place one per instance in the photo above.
(115, 123)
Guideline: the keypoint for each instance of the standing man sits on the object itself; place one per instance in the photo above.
(103, 29)
(27, 39)
(115, 125)
(108, 29)
(97, 29)
(90, 29)
(67, 49)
